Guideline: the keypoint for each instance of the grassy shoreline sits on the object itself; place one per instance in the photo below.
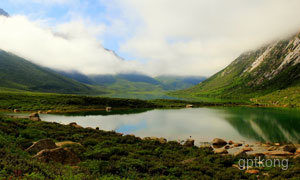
(26, 101)
(109, 155)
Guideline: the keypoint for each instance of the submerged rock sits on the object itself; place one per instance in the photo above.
(246, 149)
(60, 155)
(237, 144)
(272, 148)
(230, 142)
(41, 145)
(221, 151)
(289, 148)
(34, 117)
(278, 153)
(240, 153)
(218, 141)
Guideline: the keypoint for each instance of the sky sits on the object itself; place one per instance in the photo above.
(165, 37)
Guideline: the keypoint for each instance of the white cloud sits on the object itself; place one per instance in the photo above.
(201, 37)
(73, 46)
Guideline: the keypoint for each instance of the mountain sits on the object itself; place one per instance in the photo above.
(135, 85)
(3, 13)
(268, 70)
(179, 82)
(18, 73)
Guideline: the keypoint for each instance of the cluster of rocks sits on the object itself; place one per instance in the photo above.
(46, 150)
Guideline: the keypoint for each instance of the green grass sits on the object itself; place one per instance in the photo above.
(18, 73)
(108, 155)
(29, 101)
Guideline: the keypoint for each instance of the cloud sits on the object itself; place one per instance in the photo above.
(201, 37)
(68, 46)
(195, 37)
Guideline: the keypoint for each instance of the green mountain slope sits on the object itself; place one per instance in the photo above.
(135, 85)
(256, 73)
(18, 73)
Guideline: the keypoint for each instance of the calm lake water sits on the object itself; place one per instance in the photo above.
(202, 124)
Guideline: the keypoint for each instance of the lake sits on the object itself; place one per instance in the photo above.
(202, 124)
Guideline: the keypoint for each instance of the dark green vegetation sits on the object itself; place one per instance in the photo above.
(108, 155)
(18, 73)
(28, 101)
(269, 75)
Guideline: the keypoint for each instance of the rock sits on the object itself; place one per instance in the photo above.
(237, 144)
(153, 138)
(277, 144)
(108, 109)
(246, 145)
(297, 151)
(236, 166)
(63, 143)
(227, 147)
(39, 112)
(258, 154)
(189, 106)
(147, 138)
(41, 145)
(289, 148)
(34, 117)
(221, 151)
(252, 171)
(240, 153)
(16, 110)
(278, 153)
(265, 145)
(74, 124)
(189, 142)
(246, 149)
(297, 156)
(49, 111)
(162, 140)
(60, 155)
(206, 146)
(230, 142)
(218, 141)
(272, 148)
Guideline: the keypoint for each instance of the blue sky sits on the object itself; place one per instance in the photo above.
(61, 11)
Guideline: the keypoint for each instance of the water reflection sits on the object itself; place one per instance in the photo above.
(203, 124)
(274, 125)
